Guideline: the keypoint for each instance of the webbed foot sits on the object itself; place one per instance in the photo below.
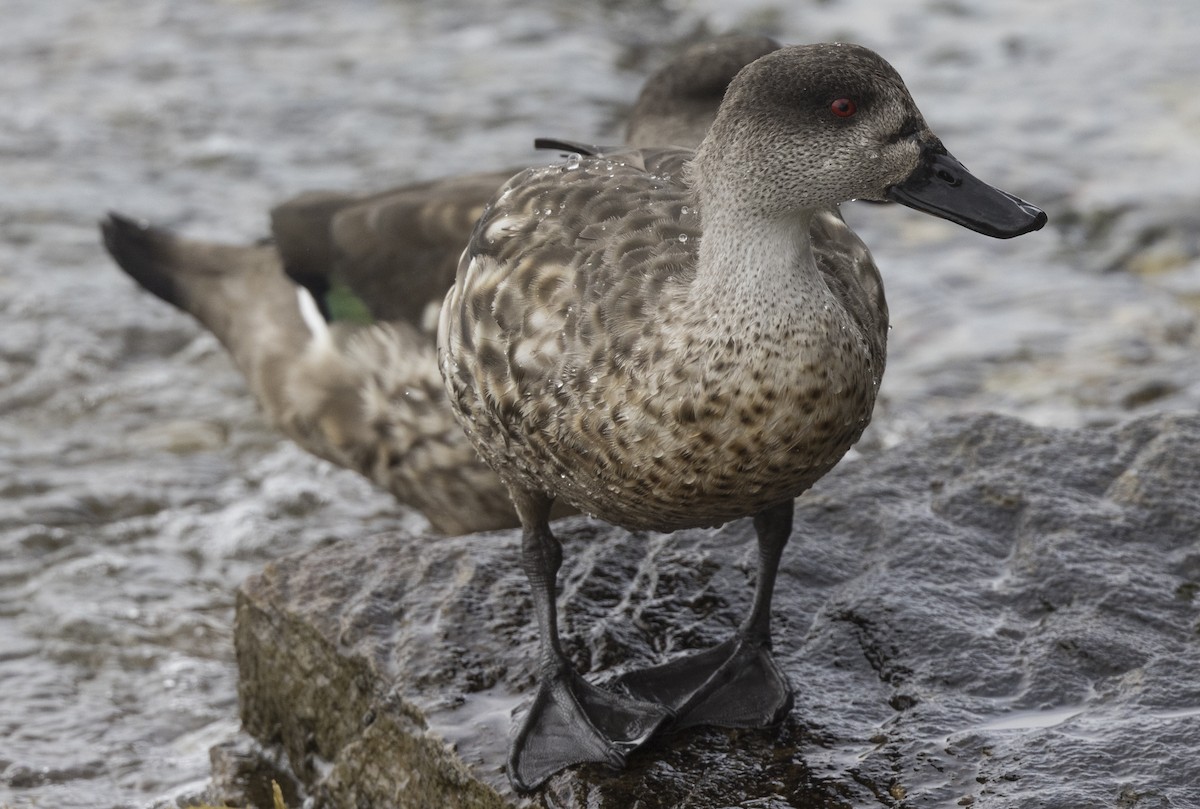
(573, 722)
(736, 684)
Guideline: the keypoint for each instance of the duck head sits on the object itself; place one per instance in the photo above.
(817, 125)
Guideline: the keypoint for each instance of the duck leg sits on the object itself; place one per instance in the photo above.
(570, 721)
(736, 683)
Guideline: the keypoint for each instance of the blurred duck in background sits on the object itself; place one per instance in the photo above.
(331, 322)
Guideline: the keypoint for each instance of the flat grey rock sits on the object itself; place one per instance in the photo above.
(996, 615)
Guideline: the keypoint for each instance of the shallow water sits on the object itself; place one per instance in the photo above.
(138, 484)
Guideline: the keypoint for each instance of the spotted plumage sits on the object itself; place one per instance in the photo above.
(603, 326)
(667, 339)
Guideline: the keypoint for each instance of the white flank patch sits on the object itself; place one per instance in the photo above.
(312, 318)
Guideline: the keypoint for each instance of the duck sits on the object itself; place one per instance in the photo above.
(332, 321)
(670, 339)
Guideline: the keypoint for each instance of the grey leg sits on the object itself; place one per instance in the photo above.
(736, 683)
(570, 721)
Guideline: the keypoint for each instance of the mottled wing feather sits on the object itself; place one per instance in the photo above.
(852, 275)
(537, 326)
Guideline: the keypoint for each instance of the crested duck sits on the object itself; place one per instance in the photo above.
(667, 339)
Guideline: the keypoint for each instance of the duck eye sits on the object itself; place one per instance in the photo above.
(843, 107)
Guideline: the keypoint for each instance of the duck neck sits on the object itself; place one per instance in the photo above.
(754, 270)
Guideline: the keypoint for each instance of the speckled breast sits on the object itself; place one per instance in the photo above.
(581, 368)
(705, 450)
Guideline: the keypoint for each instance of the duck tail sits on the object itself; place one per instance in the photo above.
(145, 253)
(269, 324)
(239, 293)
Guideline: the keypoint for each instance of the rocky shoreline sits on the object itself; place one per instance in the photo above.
(993, 615)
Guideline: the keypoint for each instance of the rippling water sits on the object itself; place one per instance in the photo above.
(138, 484)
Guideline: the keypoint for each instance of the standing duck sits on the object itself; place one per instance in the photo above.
(667, 339)
(369, 396)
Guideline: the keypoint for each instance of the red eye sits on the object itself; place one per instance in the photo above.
(843, 108)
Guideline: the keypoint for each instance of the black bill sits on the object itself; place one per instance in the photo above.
(942, 186)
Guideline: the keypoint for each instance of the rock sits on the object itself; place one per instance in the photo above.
(246, 774)
(996, 615)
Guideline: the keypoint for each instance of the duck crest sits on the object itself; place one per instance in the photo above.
(604, 369)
